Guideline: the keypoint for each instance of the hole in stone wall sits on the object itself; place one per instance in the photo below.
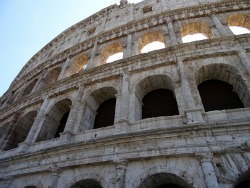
(195, 31)
(239, 23)
(239, 30)
(164, 180)
(160, 102)
(20, 131)
(115, 57)
(218, 95)
(105, 114)
(112, 53)
(152, 46)
(151, 41)
(89, 183)
(193, 37)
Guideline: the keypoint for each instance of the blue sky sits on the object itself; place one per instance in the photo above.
(28, 25)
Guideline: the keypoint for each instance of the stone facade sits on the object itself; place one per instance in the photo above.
(194, 148)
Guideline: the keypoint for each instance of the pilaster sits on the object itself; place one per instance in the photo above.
(208, 169)
(92, 61)
(172, 36)
(218, 25)
(121, 167)
(37, 125)
(64, 68)
(193, 114)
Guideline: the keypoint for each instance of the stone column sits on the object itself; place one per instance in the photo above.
(69, 127)
(192, 113)
(172, 36)
(64, 68)
(217, 23)
(55, 170)
(121, 167)
(208, 169)
(244, 59)
(124, 99)
(37, 125)
(135, 107)
(128, 51)
(92, 62)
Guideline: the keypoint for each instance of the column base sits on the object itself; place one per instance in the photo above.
(66, 136)
(194, 116)
(121, 126)
(23, 147)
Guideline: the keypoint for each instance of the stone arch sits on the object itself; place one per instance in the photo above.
(78, 63)
(240, 20)
(28, 89)
(243, 180)
(110, 50)
(55, 120)
(196, 28)
(20, 131)
(149, 84)
(161, 180)
(228, 74)
(50, 77)
(93, 102)
(187, 179)
(87, 176)
(149, 37)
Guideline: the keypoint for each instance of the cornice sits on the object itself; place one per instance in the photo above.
(73, 151)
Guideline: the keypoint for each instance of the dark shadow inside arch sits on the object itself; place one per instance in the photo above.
(218, 95)
(164, 180)
(30, 187)
(20, 131)
(159, 102)
(244, 180)
(62, 124)
(88, 183)
(105, 114)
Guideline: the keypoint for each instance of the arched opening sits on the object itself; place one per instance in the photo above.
(31, 186)
(99, 110)
(159, 102)
(195, 31)
(164, 180)
(20, 131)
(150, 94)
(112, 53)
(218, 95)
(30, 87)
(151, 41)
(55, 120)
(239, 23)
(232, 80)
(51, 77)
(88, 183)
(77, 65)
(115, 57)
(105, 114)
(244, 180)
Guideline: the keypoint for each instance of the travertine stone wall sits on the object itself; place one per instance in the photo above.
(193, 149)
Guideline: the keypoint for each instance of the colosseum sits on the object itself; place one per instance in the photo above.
(177, 116)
